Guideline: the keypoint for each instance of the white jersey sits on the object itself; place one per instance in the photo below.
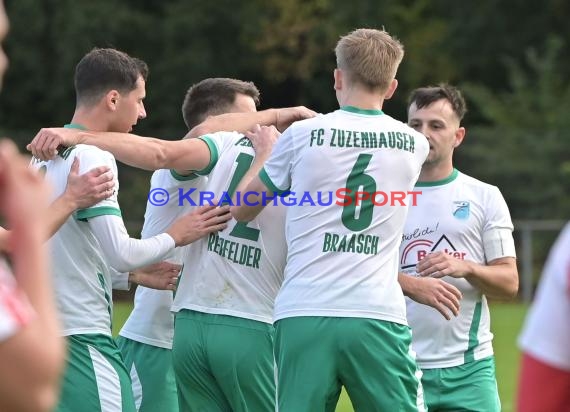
(15, 309)
(546, 333)
(151, 321)
(238, 271)
(343, 260)
(82, 280)
(452, 216)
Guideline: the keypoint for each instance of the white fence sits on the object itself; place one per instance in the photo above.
(526, 230)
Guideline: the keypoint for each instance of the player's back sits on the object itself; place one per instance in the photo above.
(343, 257)
(82, 281)
(239, 270)
(170, 196)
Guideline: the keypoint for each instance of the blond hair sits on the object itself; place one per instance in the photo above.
(370, 57)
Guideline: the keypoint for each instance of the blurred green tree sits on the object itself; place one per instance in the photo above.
(525, 148)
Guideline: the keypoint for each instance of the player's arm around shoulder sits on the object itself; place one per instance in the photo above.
(281, 118)
(258, 187)
(253, 202)
(203, 153)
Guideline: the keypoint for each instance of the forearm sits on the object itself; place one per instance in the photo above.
(124, 280)
(239, 122)
(499, 280)
(407, 284)
(123, 252)
(142, 152)
(135, 253)
(252, 201)
(150, 153)
(58, 212)
(249, 176)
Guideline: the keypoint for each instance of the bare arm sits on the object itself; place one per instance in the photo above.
(82, 191)
(153, 154)
(262, 138)
(32, 359)
(142, 152)
(246, 213)
(161, 275)
(498, 279)
(432, 292)
(239, 122)
(242, 122)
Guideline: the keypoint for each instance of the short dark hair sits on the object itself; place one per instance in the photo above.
(102, 70)
(424, 96)
(214, 96)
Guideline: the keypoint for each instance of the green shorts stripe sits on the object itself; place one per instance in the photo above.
(152, 375)
(372, 359)
(468, 387)
(223, 363)
(95, 378)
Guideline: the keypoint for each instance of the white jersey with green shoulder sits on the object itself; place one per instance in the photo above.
(82, 280)
(238, 271)
(454, 215)
(170, 196)
(342, 257)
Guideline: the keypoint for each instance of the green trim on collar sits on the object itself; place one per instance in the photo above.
(441, 182)
(75, 126)
(369, 112)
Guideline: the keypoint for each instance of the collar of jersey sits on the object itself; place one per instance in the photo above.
(75, 126)
(441, 182)
(369, 112)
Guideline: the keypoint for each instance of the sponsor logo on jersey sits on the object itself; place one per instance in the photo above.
(420, 248)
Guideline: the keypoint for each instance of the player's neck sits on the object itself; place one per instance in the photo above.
(90, 119)
(360, 99)
(434, 173)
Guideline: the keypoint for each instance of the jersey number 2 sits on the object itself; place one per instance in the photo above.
(241, 230)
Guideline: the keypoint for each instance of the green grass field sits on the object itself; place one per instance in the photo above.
(506, 321)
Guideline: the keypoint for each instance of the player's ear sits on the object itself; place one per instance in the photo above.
(337, 79)
(111, 99)
(459, 136)
(391, 89)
